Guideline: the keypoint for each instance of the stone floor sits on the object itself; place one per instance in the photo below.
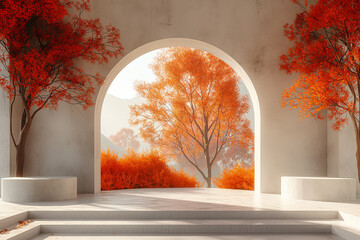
(181, 199)
(186, 199)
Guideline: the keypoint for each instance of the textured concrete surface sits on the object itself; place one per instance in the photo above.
(4, 136)
(341, 153)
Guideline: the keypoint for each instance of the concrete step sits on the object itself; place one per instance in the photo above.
(184, 227)
(190, 237)
(113, 215)
(24, 233)
(170, 223)
(168, 227)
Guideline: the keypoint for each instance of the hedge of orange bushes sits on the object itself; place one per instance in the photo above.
(146, 170)
(237, 178)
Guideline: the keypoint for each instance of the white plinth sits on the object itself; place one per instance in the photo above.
(36, 189)
(318, 188)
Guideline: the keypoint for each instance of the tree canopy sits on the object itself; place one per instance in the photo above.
(41, 40)
(325, 54)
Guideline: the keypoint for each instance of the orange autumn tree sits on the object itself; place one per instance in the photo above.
(126, 139)
(40, 42)
(194, 108)
(326, 57)
(235, 155)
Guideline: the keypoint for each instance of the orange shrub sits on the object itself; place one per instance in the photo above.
(147, 170)
(237, 178)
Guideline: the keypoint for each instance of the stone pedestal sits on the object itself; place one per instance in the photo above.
(36, 189)
(318, 188)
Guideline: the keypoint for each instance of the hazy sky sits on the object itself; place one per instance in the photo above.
(123, 85)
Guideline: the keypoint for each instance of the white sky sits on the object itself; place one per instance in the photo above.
(123, 84)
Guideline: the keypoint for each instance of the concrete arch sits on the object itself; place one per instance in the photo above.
(175, 42)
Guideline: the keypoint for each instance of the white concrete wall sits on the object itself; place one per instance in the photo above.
(341, 153)
(61, 144)
(4, 136)
(251, 32)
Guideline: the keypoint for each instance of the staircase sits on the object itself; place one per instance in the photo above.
(173, 225)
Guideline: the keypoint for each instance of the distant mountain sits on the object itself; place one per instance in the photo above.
(107, 144)
(115, 114)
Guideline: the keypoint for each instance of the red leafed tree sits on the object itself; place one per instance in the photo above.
(126, 139)
(193, 109)
(40, 41)
(326, 58)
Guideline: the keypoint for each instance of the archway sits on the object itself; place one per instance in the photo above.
(175, 42)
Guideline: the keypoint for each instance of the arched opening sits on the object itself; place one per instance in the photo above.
(176, 42)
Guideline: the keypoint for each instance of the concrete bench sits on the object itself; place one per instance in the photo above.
(36, 189)
(318, 188)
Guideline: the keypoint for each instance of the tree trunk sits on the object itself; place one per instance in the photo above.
(20, 148)
(357, 138)
(358, 156)
(208, 164)
(20, 156)
(208, 182)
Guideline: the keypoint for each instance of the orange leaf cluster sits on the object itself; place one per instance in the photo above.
(19, 225)
(326, 56)
(147, 170)
(22, 223)
(237, 178)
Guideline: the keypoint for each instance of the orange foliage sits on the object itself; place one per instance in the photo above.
(194, 109)
(237, 178)
(147, 170)
(22, 224)
(19, 225)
